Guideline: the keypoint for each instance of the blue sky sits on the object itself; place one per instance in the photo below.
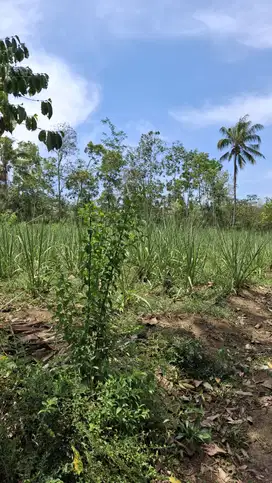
(184, 67)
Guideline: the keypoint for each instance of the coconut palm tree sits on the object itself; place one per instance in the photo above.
(243, 145)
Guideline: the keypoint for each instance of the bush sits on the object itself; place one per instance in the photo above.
(54, 428)
(191, 356)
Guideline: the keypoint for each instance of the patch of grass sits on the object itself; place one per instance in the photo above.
(193, 358)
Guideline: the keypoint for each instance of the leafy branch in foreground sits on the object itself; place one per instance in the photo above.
(21, 82)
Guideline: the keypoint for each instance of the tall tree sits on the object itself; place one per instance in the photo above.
(22, 82)
(145, 169)
(243, 145)
(62, 163)
(31, 184)
(82, 184)
(107, 161)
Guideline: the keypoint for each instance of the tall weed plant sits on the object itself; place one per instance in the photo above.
(84, 312)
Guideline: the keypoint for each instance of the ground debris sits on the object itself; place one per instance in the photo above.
(31, 330)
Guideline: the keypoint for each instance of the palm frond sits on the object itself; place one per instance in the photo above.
(224, 143)
(246, 156)
(253, 138)
(241, 161)
(244, 119)
(227, 156)
(255, 127)
(225, 131)
(255, 152)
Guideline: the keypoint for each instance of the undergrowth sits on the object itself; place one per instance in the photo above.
(103, 412)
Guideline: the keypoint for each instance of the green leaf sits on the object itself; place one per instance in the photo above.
(33, 123)
(19, 54)
(50, 140)
(50, 110)
(8, 42)
(28, 123)
(58, 140)
(22, 85)
(21, 114)
(44, 108)
(42, 136)
(14, 44)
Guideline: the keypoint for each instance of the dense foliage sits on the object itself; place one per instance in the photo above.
(162, 180)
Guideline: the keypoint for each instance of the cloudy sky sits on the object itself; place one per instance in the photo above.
(184, 67)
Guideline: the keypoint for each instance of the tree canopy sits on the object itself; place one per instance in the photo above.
(21, 83)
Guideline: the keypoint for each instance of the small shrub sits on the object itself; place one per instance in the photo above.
(191, 356)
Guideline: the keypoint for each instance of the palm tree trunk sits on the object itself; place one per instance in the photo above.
(234, 191)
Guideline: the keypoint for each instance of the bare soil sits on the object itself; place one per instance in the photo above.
(240, 415)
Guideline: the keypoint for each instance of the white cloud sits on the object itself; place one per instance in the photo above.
(147, 19)
(74, 98)
(246, 21)
(259, 107)
(19, 17)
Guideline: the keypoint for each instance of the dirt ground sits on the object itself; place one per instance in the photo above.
(244, 409)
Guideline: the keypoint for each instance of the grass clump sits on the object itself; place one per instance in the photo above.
(193, 358)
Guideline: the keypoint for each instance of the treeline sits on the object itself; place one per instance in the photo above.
(160, 178)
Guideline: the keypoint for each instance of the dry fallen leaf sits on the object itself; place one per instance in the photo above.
(249, 347)
(208, 386)
(242, 393)
(234, 421)
(212, 449)
(267, 383)
(222, 476)
(197, 383)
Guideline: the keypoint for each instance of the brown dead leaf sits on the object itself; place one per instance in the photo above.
(266, 401)
(222, 476)
(267, 383)
(213, 449)
(249, 347)
(209, 421)
(244, 453)
(197, 383)
(234, 421)
(208, 386)
(243, 393)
